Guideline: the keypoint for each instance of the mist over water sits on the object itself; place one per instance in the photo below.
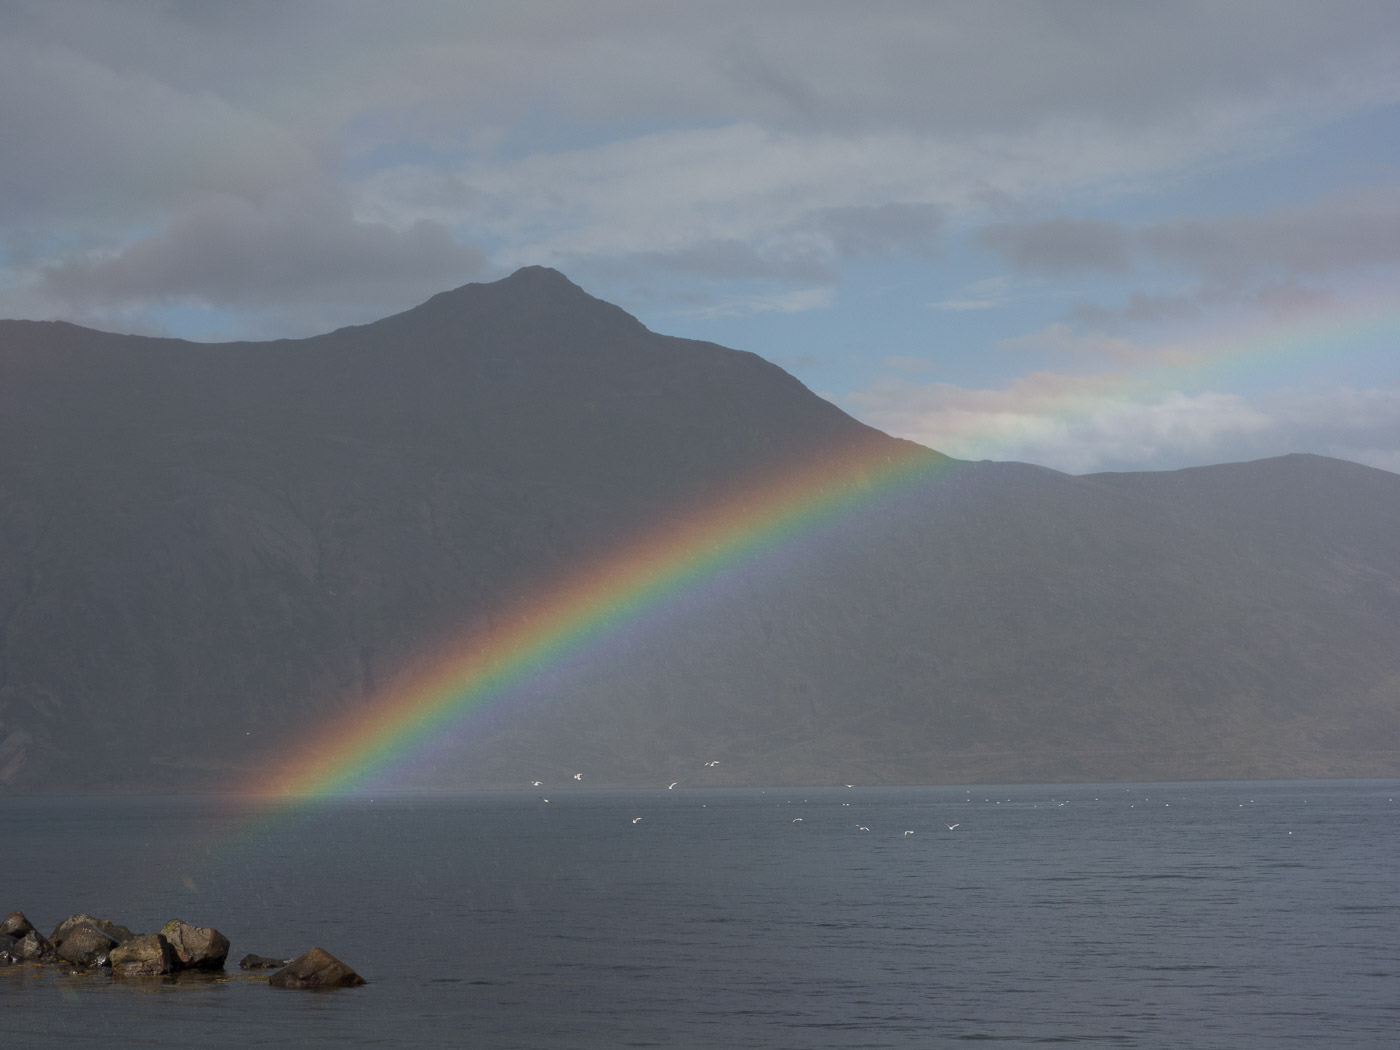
(1209, 915)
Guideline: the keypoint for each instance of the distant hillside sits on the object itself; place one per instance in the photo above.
(206, 549)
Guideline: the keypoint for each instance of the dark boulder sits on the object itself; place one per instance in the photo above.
(197, 947)
(9, 949)
(15, 925)
(148, 955)
(86, 946)
(261, 962)
(316, 969)
(107, 926)
(35, 947)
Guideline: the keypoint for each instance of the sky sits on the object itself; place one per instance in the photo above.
(1089, 234)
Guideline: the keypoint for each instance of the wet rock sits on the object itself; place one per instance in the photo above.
(197, 947)
(318, 968)
(15, 925)
(9, 950)
(148, 955)
(86, 946)
(35, 947)
(261, 962)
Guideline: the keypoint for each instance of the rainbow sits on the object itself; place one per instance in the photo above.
(602, 598)
(597, 600)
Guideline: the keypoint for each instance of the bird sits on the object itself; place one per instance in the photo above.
(636, 820)
(952, 826)
(908, 833)
(797, 820)
(713, 763)
(537, 783)
(578, 776)
(862, 827)
(672, 784)
(543, 799)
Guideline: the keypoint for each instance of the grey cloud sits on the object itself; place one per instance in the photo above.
(861, 232)
(1335, 234)
(991, 66)
(226, 251)
(1276, 298)
(99, 145)
(1059, 246)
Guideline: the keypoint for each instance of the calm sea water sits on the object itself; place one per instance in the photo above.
(1227, 915)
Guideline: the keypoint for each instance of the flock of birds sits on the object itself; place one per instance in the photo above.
(711, 764)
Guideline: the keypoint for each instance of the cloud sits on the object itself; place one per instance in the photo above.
(1059, 246)
(1340, 232)
(1337, 233)
(111, 147)
(774, 142)
(1093, 423)
(786, 302)
(985, 294)
(227, 251)
(866, 231)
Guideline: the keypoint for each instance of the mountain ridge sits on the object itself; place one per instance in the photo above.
(208, 549)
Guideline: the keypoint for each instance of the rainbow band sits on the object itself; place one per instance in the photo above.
(588, 604)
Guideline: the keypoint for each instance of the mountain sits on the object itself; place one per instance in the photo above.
(207, 550)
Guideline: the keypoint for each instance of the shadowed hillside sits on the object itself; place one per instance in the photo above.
(208, 549)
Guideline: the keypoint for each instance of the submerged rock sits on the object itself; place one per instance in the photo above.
(197, 947)
(148, 955)
(261, 962)
(318, 968)
(86, 946)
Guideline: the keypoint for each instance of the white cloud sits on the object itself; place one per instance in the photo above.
(1086, 424)
(985, 294)
(786, 302)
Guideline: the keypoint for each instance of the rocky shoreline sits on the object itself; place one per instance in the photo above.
(84, 942)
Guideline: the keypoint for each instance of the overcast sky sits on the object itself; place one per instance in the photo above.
(1091, 234)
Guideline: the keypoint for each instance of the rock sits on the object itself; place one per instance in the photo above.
(9, 949)
(318, 968)
(145, 956)
(261, 962)
(107, 926)
(197, 947)
(64, 928)
(35, 947)
(86, 946)
(15, 925)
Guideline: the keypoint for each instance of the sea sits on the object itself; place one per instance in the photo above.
(1231, 915)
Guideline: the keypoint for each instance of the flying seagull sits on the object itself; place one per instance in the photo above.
(952, 826)
(862, 827)
(537, 783)
(636, 819)
(797, 820)
(908, 833)
(714, 763)
(672, 784)
(578, 776)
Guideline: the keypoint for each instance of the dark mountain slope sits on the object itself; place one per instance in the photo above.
(207, 549)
